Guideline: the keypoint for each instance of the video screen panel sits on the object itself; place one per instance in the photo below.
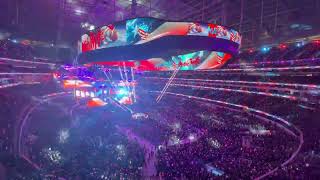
(143, 30)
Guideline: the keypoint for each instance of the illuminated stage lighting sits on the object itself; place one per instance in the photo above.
(299, 44)
(83, 94)
(75, 83)
(317, 42)
(96, 102)
(283, 46)
(122, 92)
(87, 94)
(265, 49)
(78, 93)
(251, 50)
(92, 94)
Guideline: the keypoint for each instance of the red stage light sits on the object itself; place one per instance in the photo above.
(251, 50)
(283, 46)
(317, 41)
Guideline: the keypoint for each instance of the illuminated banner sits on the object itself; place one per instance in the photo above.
(154, 44)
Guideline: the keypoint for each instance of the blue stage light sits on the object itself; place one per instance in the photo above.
(122, 92)
(265, 49)
(299, 44)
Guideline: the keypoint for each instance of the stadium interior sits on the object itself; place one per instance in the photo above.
(159, 89)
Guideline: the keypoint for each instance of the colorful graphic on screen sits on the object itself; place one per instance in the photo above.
(144, 30)
(191, 61)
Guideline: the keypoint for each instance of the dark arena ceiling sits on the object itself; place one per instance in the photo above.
(259, 21)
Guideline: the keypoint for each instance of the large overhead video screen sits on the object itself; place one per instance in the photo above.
(161, 45)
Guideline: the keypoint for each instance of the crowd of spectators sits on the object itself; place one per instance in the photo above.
(26, 50)
(9, 49)
(91, 149)
(221, 146)
(96, 150)
(301, 114)
(192, 138)
(15, 102)
(279, 53)
(218, 137)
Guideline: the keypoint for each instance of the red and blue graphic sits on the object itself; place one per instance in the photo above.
(135, 34)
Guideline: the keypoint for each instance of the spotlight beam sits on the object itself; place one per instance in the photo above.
(167, 84)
